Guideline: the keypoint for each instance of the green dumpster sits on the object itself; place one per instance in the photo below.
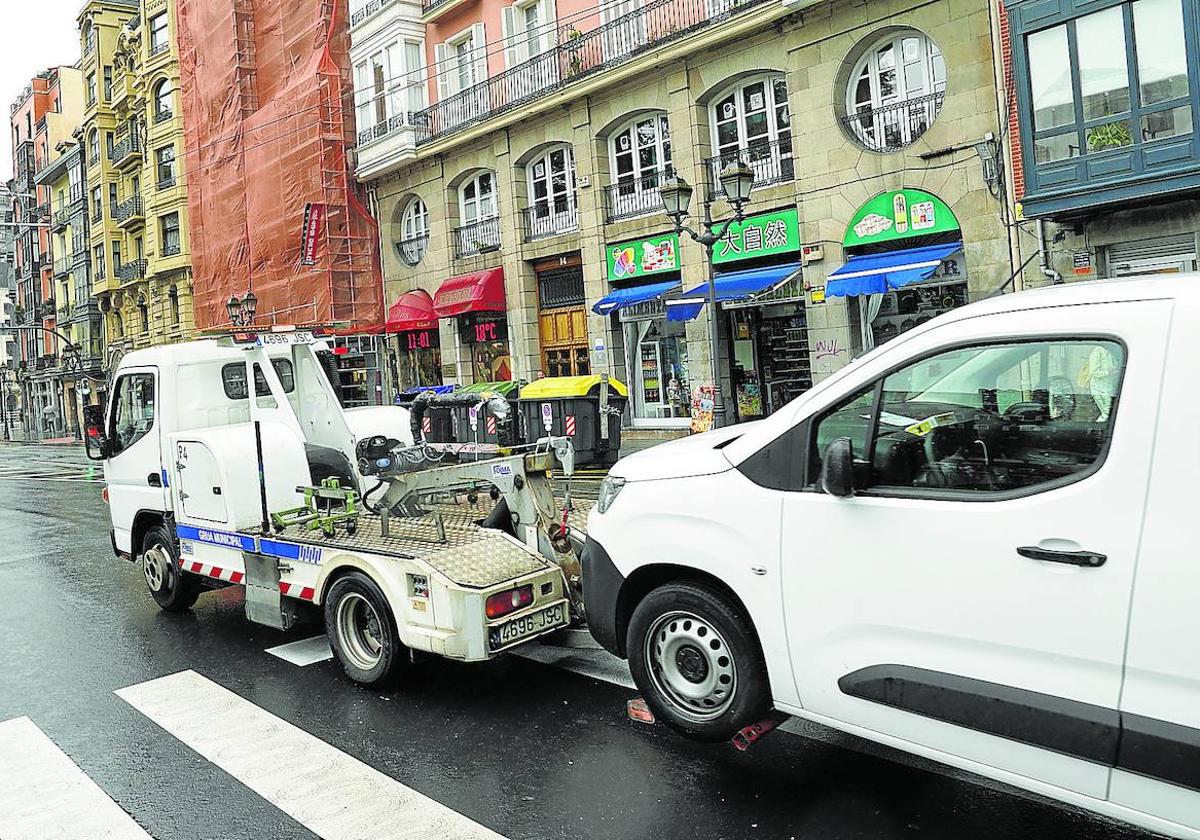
(571, 406)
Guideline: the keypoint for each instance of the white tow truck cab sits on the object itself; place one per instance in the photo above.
(227, 463)
(974, 543)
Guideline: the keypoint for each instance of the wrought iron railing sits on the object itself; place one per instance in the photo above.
(161, 115)
(771, 161)
(367, 11)
(410, 251)
(159, 48)
(129, 145)
(630, 197)
(130, 208)
(428, 6)
(166, 182)
(894, 126)
(543, 220)
(382, 129)
(172, 248)
(132, 270)
(577, 54)
(477, 237)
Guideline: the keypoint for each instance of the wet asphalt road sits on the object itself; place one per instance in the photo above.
(527, 749)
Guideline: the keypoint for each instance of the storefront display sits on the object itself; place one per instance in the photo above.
(477, 304)
(658, 362)
(360, 380)
(415, 344)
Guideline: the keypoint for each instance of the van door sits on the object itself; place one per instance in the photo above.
(1158, 763)
(134, 469)
(972, 598)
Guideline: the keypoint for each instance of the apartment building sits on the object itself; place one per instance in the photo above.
(10, 392)
(133, 134)
(522, 227)
(1104, 142)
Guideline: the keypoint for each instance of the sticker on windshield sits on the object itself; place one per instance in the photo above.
(897, 420)
(930, 423)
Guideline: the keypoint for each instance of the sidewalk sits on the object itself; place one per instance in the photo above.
(67, 441)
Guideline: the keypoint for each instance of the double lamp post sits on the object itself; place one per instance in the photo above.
(737, 180)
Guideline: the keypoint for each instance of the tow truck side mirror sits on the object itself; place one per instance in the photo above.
(95, 442)
(837, 468)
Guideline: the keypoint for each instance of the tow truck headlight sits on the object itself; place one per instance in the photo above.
(609, 488)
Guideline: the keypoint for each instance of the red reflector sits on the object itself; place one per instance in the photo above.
(502, 603)
(104, 495)
(340, 351)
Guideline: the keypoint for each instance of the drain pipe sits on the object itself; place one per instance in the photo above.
(1044, 255)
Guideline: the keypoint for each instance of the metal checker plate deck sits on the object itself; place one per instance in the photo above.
(471, 556)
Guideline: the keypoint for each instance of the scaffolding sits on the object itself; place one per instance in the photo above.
(266, 93)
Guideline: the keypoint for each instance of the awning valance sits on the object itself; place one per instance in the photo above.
(731, 285)
(412, 311)
(482, 291)
(619, 298)
(873, 274)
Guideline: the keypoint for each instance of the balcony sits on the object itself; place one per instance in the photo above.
(633, 197)
(542, 221)
(66, 211)
(578, 55)
(410, 251)
(477, 238)
(41, 213)
(382, 129)
(85, 308)
(159, 48)
(127, 151)
(47, 308)
(368, 11)
(385, 144)
(62, 267)
(130, 212)
(771, 162)
(131, 271)
(892, 127)
(63, 315)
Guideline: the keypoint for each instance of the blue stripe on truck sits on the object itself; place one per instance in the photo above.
(224, 539)
(290, 551)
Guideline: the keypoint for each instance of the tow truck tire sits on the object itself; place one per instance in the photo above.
(170, 587)
(694, 656)
(362, 631)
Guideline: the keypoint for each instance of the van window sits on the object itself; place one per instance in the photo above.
(991, 418)
(233, 377)
(133, 410)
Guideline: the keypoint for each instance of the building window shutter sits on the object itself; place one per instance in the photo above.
(546, 38)
(480, 46)
(440, 53)
(510, 22)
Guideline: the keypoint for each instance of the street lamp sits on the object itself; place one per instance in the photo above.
(241, 311)
(737, 180)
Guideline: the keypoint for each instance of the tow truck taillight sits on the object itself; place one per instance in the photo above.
(104, 495)
(502, 603)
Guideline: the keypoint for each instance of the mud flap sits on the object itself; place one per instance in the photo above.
(264, 603)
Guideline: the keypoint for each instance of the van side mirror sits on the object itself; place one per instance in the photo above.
(95, 443)
(837, 468)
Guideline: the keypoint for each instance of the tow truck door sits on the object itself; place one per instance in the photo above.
(134, 469)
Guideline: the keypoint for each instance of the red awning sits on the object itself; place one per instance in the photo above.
(479, 292)
(412, 311)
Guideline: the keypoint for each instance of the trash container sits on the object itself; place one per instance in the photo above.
(570, 406)
(436, 425)
(474, 423)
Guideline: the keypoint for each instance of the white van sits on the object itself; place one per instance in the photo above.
(973, 543)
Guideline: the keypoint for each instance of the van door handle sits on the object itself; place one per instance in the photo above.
(1091, 559)
(154, 480)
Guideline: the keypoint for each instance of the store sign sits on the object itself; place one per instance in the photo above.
(642, 257)
(482, 327)
(897, 215)
(762, 235)
(1081, 262)
(647, 310)
(418, 339)
(314, 220)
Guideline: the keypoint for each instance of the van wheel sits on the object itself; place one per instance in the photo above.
(171, 589)
(362, 631)
(697, 662)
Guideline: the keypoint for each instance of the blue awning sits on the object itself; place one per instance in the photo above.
(618, 298)
(873, 274)
(732, 285)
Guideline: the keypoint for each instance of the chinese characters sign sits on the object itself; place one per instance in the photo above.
(630, 260)
(902, 214)
(762, 235)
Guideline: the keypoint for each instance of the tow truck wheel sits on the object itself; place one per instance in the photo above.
(171, 589)
(362, 631)
(697, 662)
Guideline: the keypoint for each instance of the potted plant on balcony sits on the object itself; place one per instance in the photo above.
(574, 37)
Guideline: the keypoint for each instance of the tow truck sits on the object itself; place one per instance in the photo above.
(230, 461)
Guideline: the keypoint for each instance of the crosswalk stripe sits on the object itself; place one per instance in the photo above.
(324, 789)
(45, 796)
(304, 652)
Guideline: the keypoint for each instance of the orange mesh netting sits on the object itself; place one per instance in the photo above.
(263, 84)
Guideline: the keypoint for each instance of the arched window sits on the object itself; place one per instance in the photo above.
(640, 156)
(414, 231)
(479, 227)
(551, 178)
(94, 146)
(895, 91)
(163, 101)
(751, 122)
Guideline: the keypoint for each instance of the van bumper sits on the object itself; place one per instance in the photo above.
(601, 590)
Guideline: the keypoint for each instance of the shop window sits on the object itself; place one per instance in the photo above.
(751, 122)
(1087, 97)
(640, 157)
(414, 231)
(133, 414)
(895, 91)
(988, 419)
(658, 369)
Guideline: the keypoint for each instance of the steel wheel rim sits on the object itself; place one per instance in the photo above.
(691, 665)
(360, 631)
(156, 567)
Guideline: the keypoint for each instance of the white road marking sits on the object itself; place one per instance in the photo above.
(324, 789)
(45, 796)
(304, 652)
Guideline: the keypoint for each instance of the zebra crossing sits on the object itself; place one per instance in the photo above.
(47, 463)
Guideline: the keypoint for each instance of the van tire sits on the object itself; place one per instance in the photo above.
(362, 631)
(695, 658)
(170, 587)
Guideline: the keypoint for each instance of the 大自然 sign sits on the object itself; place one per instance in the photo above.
(760, 235)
